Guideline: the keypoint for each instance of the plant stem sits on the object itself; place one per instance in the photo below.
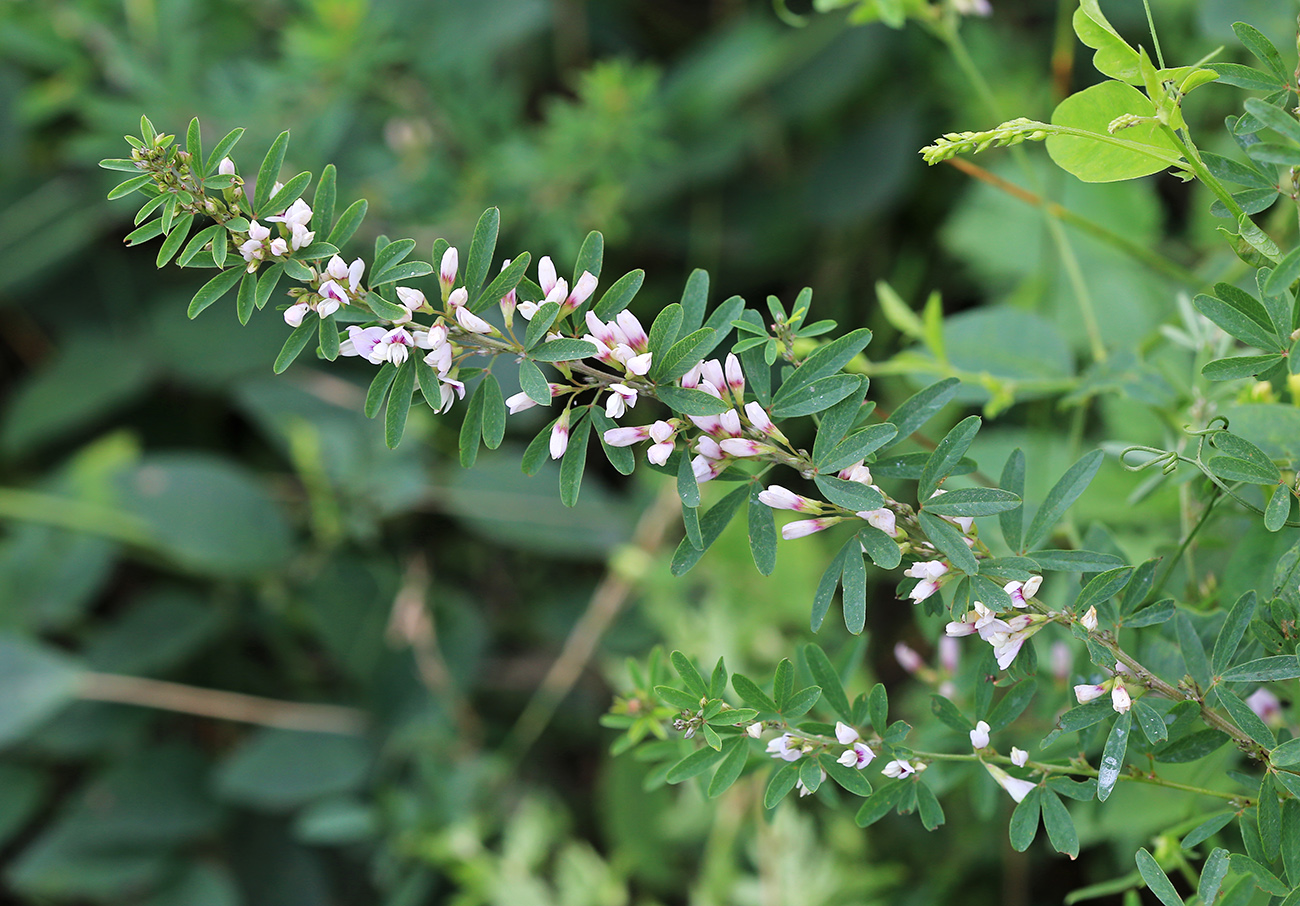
(1135, 250)
(1151, 24)
(252, 709)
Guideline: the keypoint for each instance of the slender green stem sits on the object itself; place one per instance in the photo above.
(1151, 24)
(1188, 149)
(76, 515)
(1182, 548)
(952, 37)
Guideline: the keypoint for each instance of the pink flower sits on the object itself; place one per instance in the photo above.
(560, 435)
(1085, 693)
(779, 498)
(621, 398)
(743, 446)
(804, 527)
(626, 437)
(1021, 591)
(447, 270)
(882, 519)
(1265, 704)
(1120, 700)
(859, 756)
(907, 657)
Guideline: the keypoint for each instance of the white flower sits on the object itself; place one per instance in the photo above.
(226, 167)
(803, 790)
(1020, 592)
(560, 435)
(898, 769)
(621, 398)
(781, 748)
(1085, 693)
(779, 498)
(928, 571)
(1089, 620)
(412, 299)
(804, 527)
(883, 519)
(1018, 789)
(743, 446)
(294, 314)
(1120, 700)
(845, 734)
(625, 437)
(859, 756)
(754, 730)
(447, 269)
(979, 737)
(1019, 757)
(519, 402)
(298, 213)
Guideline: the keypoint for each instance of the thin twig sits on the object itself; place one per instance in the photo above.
(249, 709)
(605, 604)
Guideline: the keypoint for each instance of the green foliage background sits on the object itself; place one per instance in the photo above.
(693, 135)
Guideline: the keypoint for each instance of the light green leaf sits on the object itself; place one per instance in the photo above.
(1146, 150)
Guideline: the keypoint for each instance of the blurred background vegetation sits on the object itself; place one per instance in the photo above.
(300, 561)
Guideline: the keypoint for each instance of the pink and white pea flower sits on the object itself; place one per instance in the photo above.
(447, 270)
(1120, 700)
(294, 314)
(743, 446)
(859, 755)
(510, 300)
(1008, 642)
(560, 435)
(1265, 705)
(779, 498)
(621, 398)
(907, 658)
(456, 301)
(883, 519)
(298, 212)
(1018, 789)
(226, 167)
(1022, 592)
(735, 377)
(449, 389)
(802, 528)
(754, 730)
(1085, 692)
(711, 371)
(626, 437)
(929, 572)
(582, 291)
(898, 769)
(782, 748)
(662, 433)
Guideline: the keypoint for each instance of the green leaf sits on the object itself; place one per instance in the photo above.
(621, 458)
(246, 298)
(538, 450)
(762, 528)
(810, 774)
(946, 455)
(1075, 561)
(574, 462)
(720, 321)
(830, 580)
(1157, 881)
(827, 360)
(1229, 468)
(851, 779)
(1267, 669)
(928, 807)
(735, 752)
(1278, 509)
(1287, 754)
(214, 233)
(688, 488)
(949, 541)
(718, 682)
(378, 390)
(590, 256)
(1234, 627)
(1291, 842)
(509, 278)
(471, 428)
(920, 407)
(882, 549)
(1269, 815)
(563, 350)
(813, 397)
(123, 189)
(879, 804)
(678, 698)
(178, 233)
(690, 402)
(1151, 721)
(288, 194)
(620, 295)
(1230, 170)
(1061, 497)
(684, 355)
(693, 764)
(270, 171)
(222, 149)
(1146, 148)
(949, 714)
(1264, 51)
(878, 704)
(1238, 323)
(1277, 119)
(1103, 587)
(408, 270)
(1193, 651)
(295, 344)
(36, 682)
(1112, 756)
(322, 203)
(1012, 705)
(781, 783)
(1247, 77)
(852, 495)
(266, 285)
(751, 694)
(494, 412)
(695, 298)
(214, 289)
(665, 329)
(858, 445)
(534, 383)
(347, 223)
(1024, 820)
(1192, 747)
(972, 502)
(711, 526)
(1207, 829)
(280, 770)
(801, 702)
(690, 674)
(1212, 874)
(783, 683)
(399, 404)
(824, 674)
(143, 234)
(1059, 825)
(481, 249)
(1264, 879)
(388, 254)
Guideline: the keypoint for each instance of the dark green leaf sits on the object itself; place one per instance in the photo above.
(1269, 814)
(1207, 829)
(920, 407)
(1230, 170)
(1112, 756)
(851, 779)
(288, 194)
(973, 502)
(378, 390)
(783, 683)
(541, 322)
(1059, 825)
(1157, 881)
(827, 360)
(735, 752)
(852, 495)
(825, 675)
(693, 765)
(857, 445)
(720, 322)
(695, 298)
(494, 412)
(1264, 670)
(1288, 269)
(222, 149)
(810, 774)
(399, 404)
(563, 350)
(1192, 747)
(1291, 841)
(781, 783)
(1024, 820)
(482, 247)
(814, 397)
(878, 703)
(678, 698)
(762, 529)
(1264, 51)
(1212, 874)
(665, 329)
(949, 713)
(688, 401)
(347, 223)
(619, 295)
(1246, 77)
(574, 461)
(835, 424)
(471, 429)
(830, 580)
(269, 171)
(751, 694)
(1061, 497)
(1244, 325)
(949, 541)
(35, 683)
(1278, 509)
(407, 270)
(246, 298)
(690, 674)
(214, 289)
(1264, 879)
(711, 526)
(882, 549)
(684, 355)
(1234, 627)
(1151, 721)
(928, 807)
(180, 229)
(125, 188)
(509, 278)
(1157, 613)
(1102, 588)
(1078, 790)
(1237, 367)
(1230, 468)
(801, 702)
(1012, 704)
(295, 344)
(947, 454)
